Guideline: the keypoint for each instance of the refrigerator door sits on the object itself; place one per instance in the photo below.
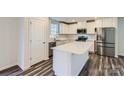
(105, 49)
(108, 35)
(109, 51)
(106, 42)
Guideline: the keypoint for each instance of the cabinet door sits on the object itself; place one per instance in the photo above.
(66, 29)
(115, 22)
(107, 22)
(73, 29)
(63, 28)
(84, 25)
(91, 28)
(92, 47)
(98, 23)
(81, 25)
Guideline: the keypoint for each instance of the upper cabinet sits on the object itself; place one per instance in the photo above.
(81, 25)
(115, 22)
(68, 28)
(63, 28)
(91, 28)
(98, 23)
(72, 29)
(106, 22)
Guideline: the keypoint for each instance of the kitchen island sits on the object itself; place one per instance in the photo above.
(69, 59)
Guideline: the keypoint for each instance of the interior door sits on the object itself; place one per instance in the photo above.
(37, 41)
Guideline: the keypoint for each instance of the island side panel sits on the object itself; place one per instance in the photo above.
(61, 63)
(78, 62)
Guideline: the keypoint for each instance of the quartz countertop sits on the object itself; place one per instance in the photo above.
(75, 47)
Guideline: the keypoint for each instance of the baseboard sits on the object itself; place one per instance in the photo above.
(46, 58)
(28, 66)
(24, 68)
(120, 54)
(8, 66)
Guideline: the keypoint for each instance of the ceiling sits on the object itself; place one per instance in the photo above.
(73, 19)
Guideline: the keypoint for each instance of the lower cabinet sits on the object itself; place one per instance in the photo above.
(92, 49)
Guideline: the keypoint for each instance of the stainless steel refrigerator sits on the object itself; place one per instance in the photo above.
(106, 41)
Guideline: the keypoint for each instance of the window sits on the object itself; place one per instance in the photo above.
(54, 30)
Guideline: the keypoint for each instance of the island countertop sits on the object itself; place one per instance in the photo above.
(75, 47)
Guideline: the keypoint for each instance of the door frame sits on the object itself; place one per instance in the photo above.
(30, 23)
(24, 44)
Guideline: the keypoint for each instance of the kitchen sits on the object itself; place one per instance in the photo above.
(69, 46)
(61, 45)
(69, 32)
(87, 31)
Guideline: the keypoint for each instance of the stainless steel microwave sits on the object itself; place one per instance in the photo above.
(82, 31)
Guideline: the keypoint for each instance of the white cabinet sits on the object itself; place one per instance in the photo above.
(91, 28)
(92, 48)
(81, 25)
(115, 21)
(106, 22)
(109, 22)
(84, 25)
(63, 28)
(68, 28)
(98, 23)
(72, 29)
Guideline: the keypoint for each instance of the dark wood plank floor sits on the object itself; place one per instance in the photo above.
(96, 66)
(43, 68)
(103, 66)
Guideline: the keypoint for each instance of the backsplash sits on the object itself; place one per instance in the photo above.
(74, 37)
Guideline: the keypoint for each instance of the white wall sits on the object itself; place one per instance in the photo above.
(14, 42)
(121, 36)
(24, 52)
(9, 38)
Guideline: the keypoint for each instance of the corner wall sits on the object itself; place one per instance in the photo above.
(24, 57)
